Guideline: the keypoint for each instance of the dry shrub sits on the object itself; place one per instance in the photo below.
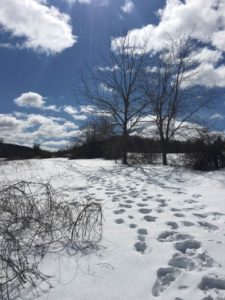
(33, 221)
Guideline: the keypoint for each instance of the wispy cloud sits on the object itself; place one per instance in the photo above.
(217, 116)
(128, 6)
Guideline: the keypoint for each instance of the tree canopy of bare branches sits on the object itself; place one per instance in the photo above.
(114, 88)
(173, 97)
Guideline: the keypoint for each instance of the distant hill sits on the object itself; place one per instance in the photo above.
(13, 151)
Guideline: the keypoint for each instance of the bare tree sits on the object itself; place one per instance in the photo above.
(98, 128)
(114, 89)
(173, 97)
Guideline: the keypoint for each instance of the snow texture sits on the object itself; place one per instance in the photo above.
(163, 231)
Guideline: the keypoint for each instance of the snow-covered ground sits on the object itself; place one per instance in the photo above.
(163, 231)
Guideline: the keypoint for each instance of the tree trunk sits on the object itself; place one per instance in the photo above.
(164, 157)
(125, 133)
(125, 142)
(164, 154)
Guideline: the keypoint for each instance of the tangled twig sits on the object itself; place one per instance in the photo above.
(34, 221)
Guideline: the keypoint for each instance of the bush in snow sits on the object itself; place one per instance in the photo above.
(33, 221)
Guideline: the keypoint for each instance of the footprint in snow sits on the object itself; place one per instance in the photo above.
(174, 209)
(141, 238)
(179, 192)
(191, 256)
(161, 200)
(110, 193)
(173, 225)
(119, 211)
(125, 205)
(187, 245)
(145, 211)
(208, 226)
(142, 231)
(202, 216)
(165, 276)
(179, 215)
(171, 236)
(129, 201)
(159, 195)
(188, 223)
(119, 221)
(212, 282)
(133, 225)
(190, 201)
(196, 195)
(142, 204)
(163, 204)
(149, 218)
(115, 200)
(182, 262)
(140, 247)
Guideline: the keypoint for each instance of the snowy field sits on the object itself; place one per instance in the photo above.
(163, 231)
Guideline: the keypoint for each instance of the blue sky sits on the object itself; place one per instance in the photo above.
(46, 44)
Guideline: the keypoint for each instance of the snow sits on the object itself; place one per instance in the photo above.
(163, 231)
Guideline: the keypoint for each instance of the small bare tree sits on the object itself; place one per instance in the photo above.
(173, 97)
(114, 88)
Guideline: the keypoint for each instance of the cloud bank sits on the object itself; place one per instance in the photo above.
(25, 129)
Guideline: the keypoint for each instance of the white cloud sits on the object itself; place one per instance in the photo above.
(83, 111)
(97, 2)
(105, 88)
(128, 6)
(87, 109)
(80, 117)
(202, 20)
(31, 99)
(75, 113)
(70, 125)
(70, 110)
(9, 122)
(107, 68)
(208, 75)
(25, 129)
(206, 55)
(43, 28)
(55, 145)
(79, 1)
